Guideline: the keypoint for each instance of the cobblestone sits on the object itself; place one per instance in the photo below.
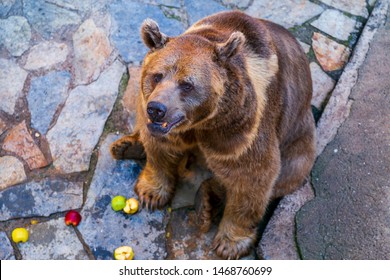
(11, 171)
(52, 240)
(6, 250)
(45, 95)
(40, 198)
(336, 24)
(45, 55)
(82, 119)
(92, 49)
(20, 142)
(15, 34)
(285, 12)
(12, 79)
(330, 54)
(104, 229)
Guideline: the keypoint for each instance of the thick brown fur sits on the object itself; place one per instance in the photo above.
(238, 89)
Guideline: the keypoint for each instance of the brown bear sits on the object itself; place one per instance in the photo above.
(238, 90)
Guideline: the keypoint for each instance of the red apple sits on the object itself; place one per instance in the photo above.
(72, 218)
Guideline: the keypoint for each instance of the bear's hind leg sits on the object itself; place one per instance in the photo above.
(208, 201)
(297, 159)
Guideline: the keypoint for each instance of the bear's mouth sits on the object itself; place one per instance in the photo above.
(162, 128)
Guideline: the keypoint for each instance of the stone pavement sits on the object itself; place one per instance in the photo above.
(69, 74)
(350, 215)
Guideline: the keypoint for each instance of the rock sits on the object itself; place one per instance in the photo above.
(5, 7)
(125, 34)
(239, 4)
(102, 228)
(336, 24)
(12, 79)
(285, 13)
(3, 126)
(186, 241)
(306, 47)
(339, 103)
(6, 250)
(15, 34)
(198, 9)
(82, 7)
(82, 120)
(50, 19)
(130, 96)
(20, 142)
(278, 239)
(40, 198)
(45, 95)
(322, 85)
(60, 242)
(331, 55)
(349, 217)
(91, 50)
(11, 172)
(356, 7)
(45, 55)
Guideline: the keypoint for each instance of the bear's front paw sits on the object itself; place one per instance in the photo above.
(127, 147)
(152, 197)
(232, 247)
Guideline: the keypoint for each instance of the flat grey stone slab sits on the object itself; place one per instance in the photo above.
(52, 240)
(45, 95)
(48, 18)
(127, 17)
(40, 198)
(198, 9)
(12, 79)
(336, 24)
(285, 13)
(103, 229)
(349, 217)
(6, 250)
(81, 122)
(15, 34)
(356, 7)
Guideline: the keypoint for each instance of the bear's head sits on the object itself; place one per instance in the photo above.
(183, 78)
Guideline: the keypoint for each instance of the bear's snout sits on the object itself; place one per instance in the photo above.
(156, 111)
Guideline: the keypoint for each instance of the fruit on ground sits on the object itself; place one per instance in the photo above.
(72, 218)
(118, 203)
(124, 253)
(19, 235)
(131, 206)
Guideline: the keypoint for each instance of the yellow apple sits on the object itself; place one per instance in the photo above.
(19, 235)
(131, 206)
(124, 253)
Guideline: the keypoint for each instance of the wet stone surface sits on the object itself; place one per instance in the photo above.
(6, 250)
(45, 95)
(82, 119)
(60, 242)
(40, 198)
(103, 229)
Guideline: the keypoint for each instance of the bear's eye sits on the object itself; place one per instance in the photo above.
(186, 86)
(157, 78)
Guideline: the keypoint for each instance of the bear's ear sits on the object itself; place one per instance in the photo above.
(151, 35)
(229, 48)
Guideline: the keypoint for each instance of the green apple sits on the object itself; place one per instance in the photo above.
(124, 253)
(19, 235)
(131, 206)
(118, 203)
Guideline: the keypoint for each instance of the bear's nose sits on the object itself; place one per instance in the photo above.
(156, 111)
